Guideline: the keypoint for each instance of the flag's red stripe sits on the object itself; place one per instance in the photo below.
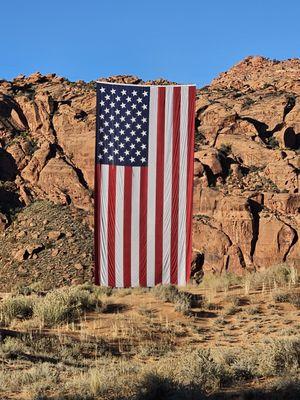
(143, 226)
(159, 184)
(127, 226)
(190, 167)
(111, 238)
(175, 184)
(97, 222)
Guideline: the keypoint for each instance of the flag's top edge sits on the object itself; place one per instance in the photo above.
(134, 84)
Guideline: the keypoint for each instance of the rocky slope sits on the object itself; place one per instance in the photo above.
(246, 192)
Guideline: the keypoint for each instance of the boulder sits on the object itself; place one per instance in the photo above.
(274, 241)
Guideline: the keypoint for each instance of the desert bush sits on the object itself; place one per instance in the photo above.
(154, 349)
(231, 310)
(16, 307)
(200, 370)
(287, 297)
(65, 305)
(169, 293)
(219, 282)
(42, 373)
(273, 277)
(279, 356)
(252, 310)
(11, 348)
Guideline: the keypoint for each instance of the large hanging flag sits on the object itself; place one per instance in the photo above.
(143, 184)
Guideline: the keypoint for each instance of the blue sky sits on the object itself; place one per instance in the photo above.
(187, 41)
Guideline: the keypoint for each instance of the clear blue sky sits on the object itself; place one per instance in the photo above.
(188, 41)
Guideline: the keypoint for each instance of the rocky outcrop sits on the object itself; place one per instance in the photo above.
(246, 172)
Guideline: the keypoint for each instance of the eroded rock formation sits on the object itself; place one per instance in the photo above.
(246, 177)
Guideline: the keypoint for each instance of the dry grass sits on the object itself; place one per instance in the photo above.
(164, 343)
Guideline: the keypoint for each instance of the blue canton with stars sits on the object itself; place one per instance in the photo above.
(122, 124)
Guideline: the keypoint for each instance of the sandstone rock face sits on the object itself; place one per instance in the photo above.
(274, 241)
(246, 172)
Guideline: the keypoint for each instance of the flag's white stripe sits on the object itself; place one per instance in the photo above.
(182, 186)
(135, 226)
(119, 226)
(167, 211)
(103, 229)
(151, 198)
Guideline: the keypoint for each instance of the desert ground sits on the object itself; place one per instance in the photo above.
(227, 338)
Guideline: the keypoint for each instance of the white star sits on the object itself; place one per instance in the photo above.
(143, 133)
(132, 146)
(118, 98)
(132, 159)
(133, 106)
(133, 119)
(143, 159)
(106, 123)
(110, 158)
(113, 91)
(107, 97)
(121, 145)
(123, 105)
(101, 116)
(117, 112)
(106, 110)
(137, 152)
(132, 132)
(121, 158)
(139, 113)
(117, 124)
(138, 126)
(105, 151)
(112, 104)
(139, 100)
(138, 139)
(110, 144)
(100, 156)
(111, 117)
(116, 151)
(102, 103)
(126, 152)
(102, 90)
(123, 92)
(122, 131)
(105, 137)
(127, 126)
(143, 146)
(116, 138)
(127, 139)
(145, 93)
(111, 130)
(128, 112)
(101, 130)
(100, 143)
(128, 99)
(144, 119)
(144, 107)
(134, 93)
(122, 119)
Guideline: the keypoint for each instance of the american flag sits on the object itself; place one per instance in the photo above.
(143, 184)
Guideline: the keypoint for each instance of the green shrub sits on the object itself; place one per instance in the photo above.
(170, 293)
(17, 307)
(200, 370)
(286, 297)
(279, 356)
(65, 305)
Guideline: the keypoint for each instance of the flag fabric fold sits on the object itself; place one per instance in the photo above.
(143, 184)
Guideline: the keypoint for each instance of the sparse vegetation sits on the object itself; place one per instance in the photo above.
(57, 307)
(87, 342)
(170, 293)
